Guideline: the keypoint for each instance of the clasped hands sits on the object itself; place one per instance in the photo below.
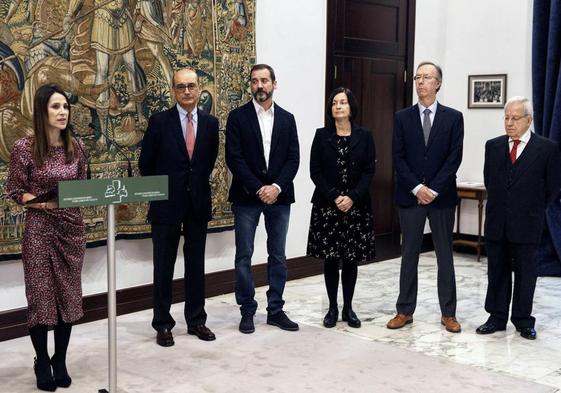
(268, 194)
(38, 205)
(425, 196)
(343, 203)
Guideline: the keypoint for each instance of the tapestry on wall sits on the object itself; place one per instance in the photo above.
(116, 58)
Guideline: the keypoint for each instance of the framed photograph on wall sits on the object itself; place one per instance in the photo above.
(486, 91)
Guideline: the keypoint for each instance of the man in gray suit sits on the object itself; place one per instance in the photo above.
(427, 151)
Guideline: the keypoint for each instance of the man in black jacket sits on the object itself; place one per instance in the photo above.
(182, 143)
(522, 177)
(263, 155)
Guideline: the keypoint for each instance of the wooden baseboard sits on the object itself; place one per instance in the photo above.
(13, 323)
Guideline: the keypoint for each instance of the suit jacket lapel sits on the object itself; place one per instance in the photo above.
(526, 158)
(415, 119)
(176, 130)
(202, 120)
(354, 140)
(277, 130)
(254, 125)
(332, 137)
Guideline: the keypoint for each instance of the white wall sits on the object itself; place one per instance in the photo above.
(475, 37)
(293, 43)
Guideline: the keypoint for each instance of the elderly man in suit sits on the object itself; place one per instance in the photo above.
(522, 178)
(427, 151)
(182, 143)
(263, 155)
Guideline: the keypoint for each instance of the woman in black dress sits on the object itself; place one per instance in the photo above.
(54, 241)
(342, 164)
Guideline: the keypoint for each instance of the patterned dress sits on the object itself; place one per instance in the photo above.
(54, 240)
(334, 234)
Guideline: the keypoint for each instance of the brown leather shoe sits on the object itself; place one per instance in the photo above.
(165, 338)
(451, 324)
(202, 332)
(399, 321)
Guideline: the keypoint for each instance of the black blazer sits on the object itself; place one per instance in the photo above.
(323, 166)
(519, 194)
(434, 165)
(164, 153)
(246, 159)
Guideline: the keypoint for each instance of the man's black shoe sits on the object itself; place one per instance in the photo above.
(202, 332)
(282, 321)
(165, 338)
(528, 333)
(489, 328)
(246, 324)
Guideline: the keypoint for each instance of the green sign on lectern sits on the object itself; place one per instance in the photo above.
(112, 191)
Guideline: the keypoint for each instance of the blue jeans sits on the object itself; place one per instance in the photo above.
(246, 219)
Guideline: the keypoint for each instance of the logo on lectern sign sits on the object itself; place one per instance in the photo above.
(116, 190)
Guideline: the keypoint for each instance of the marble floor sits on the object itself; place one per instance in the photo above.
(421, 357)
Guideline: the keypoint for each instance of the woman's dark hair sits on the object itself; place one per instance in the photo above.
(40, 121)
(353, 103)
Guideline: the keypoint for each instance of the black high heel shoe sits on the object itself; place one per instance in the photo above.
(330, 319)
(350, 317)
(43, 373)
(61, 377)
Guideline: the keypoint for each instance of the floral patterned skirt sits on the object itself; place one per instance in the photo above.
(334, 234)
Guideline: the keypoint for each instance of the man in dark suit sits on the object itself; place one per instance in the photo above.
(263, 155)
(522, 178)
(427, 152)
(182, 143)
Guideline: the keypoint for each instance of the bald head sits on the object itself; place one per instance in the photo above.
(186, 88)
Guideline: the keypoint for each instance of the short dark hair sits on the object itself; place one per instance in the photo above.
(353, 103)
(40, 120)
(263, 67)
(438, 71)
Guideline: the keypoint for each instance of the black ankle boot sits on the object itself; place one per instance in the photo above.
(331, 317)
(62, 379)
(43, 373)
(350, 317)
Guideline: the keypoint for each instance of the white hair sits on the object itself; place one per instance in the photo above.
(528, 110)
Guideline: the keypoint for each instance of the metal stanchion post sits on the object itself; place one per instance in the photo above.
(111, 301)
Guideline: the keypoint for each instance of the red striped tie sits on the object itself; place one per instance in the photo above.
(516, 142)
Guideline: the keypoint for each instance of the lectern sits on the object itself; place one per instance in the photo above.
(112, 192)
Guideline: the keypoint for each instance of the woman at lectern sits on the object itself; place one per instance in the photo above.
(54, 242)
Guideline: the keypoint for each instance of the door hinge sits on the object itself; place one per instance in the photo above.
(335, 72)
(405, 76)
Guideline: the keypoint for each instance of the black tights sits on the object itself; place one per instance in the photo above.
(349, 274)
(38, 334)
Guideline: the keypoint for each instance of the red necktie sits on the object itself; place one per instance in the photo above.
(516, 142)
(190, 135)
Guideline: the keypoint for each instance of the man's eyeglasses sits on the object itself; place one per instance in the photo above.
(425, 77)
(513, 118)
(181, 87)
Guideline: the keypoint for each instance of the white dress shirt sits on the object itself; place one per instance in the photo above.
(266, 119)
(524, 139)
(432, 108)
(183, 119)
